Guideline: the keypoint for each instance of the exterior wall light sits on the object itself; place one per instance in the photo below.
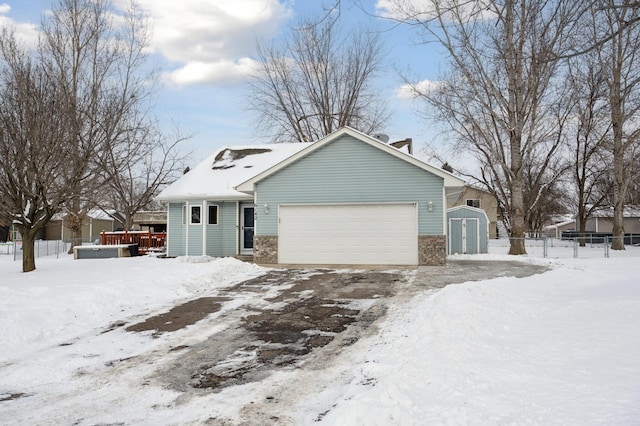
(266, 209)
(430, 206)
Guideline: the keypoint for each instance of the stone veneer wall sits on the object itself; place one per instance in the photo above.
(432, 250)
(265, 249)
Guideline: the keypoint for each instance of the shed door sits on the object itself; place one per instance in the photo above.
(463, 236)
(358, 234)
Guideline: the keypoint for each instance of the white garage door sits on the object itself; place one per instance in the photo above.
(358, 234)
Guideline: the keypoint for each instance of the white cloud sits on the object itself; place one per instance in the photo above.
(27, 32)
(221, 72)
(211, 40)
(412, 91)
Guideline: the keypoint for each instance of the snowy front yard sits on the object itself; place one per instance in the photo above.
(557, 348)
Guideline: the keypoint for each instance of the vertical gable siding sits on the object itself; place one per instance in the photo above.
(175, 234)
(350, 171)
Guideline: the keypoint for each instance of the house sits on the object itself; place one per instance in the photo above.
(348, 198)
(94, 222)
(555, 230)
(472, 196)
(602, 221)
(150, 220)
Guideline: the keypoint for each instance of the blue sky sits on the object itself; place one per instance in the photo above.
(203, 46)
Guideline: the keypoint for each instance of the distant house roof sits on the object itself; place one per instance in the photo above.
(217, 176)
(629, 211)
(97, 214)
(449, 179)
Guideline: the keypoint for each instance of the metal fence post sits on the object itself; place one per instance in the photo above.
(606, 247)
(575, 248)
(545, 248)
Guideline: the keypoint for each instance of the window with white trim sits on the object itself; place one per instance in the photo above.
(212, 218)
(196, 215)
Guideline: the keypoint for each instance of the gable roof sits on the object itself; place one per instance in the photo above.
(216, 177)
(449, 179)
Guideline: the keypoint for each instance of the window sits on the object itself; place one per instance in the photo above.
(196, 215)
(213, 214)
(473, 203)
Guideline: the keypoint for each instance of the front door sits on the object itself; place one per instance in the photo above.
(246, 230)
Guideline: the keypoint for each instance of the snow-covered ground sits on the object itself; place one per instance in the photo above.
(562, 347)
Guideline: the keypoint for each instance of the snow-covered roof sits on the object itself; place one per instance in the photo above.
(97, 214)
(217, 176)
(629, 211)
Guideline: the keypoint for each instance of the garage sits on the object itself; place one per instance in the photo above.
(358, 234)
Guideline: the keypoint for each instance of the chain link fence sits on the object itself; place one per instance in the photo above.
(548, 247)
(42, 248)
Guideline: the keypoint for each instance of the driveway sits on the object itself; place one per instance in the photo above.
(277, 320)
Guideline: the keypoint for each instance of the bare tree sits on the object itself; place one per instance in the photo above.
(502, 98)
(99, 70)
(618, 24)
(34, 148)
(136, 170)
(317, 81)
(588, 156)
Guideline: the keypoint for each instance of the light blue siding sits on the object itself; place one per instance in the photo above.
(350, 171)
(175, 230)
(220, 239)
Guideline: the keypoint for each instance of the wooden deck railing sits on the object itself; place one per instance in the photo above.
(145, 240)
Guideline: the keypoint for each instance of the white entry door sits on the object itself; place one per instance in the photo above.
(359, 234)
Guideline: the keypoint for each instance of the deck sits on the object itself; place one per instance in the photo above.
(146, 241)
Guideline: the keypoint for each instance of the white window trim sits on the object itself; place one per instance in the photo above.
(217, 214)
(191, 207)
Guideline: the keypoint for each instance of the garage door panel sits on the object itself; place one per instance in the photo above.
(348, 234)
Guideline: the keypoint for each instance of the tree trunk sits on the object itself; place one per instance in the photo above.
(583, 229)
(617, 119)
(28, 250)
(516, 242)
(74, 223)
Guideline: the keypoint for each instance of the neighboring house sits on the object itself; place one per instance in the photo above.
(346, 199)
(153, 221)
(602, 221)
(95, 222)
(556, 230)
(480, 199)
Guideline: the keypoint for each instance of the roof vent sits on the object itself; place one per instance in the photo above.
(382, 137)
